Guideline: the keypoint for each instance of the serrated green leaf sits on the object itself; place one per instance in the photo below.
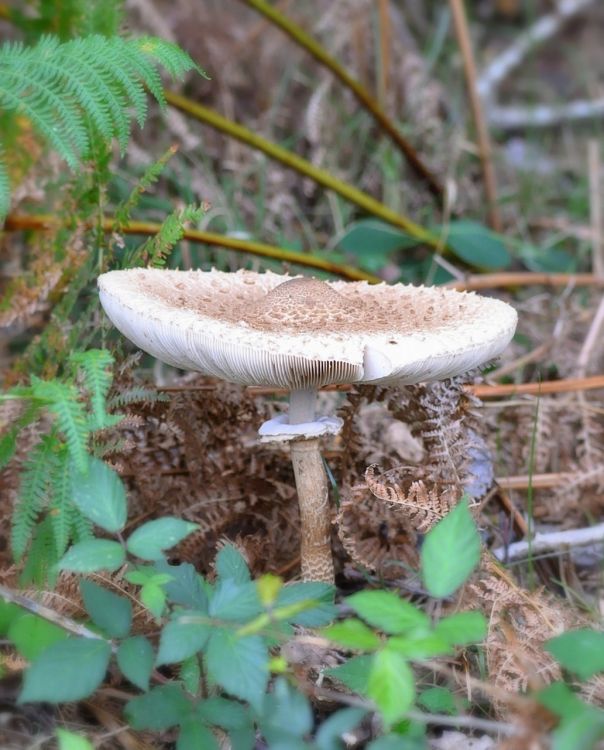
(579, 651)
(477, 245)
(154, 598)
(450, 552)
(110, 612)
(320, 598)
(419, 646)
(181, 639)
(437, 700)
(391, 685)
(231, 564)
(93, 555)
(151, 539)
(100, 496)
(387, 611)
(184, 585)
(352, 633)
(32, 635)
(194, 735)
(329, 734)
(235, 602)
(135, 659)
(161, 708)
(239, 665)
(286, 715)
(70, 741)
(66, 671)
(354, 673)
(462, 628)
(224, 713)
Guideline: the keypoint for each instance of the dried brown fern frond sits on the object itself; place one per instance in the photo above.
(375, 534)
(425, 503)
(519, 624)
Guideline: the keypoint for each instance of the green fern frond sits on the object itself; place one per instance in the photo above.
(156, 249)
(34, 493)
(136, 395)
(72, 91)
(4, 187)
(40, 566)
(151, 175)
(59, 510)
(81, 529)
(8, 446)
(96, 366)
(62, 399)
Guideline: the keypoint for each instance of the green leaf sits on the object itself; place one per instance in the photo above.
(135, 659)
(8, 614)
(477, 245)
(184, 586)
(450, 552)
(180, 639)
(154, 598)
(161, 708)
(66, 671)
(391, 685)
(354, 673)
(387, 611)
(223, 713)
(110, 612)
(330, 732)
(462, 628)
(93, 555)
(150, 540)
(323, 609)
(239, 665)
(352, 633)
(231, 564)
(70, 741)
(372, 241)
(100, 496)
(233, 601)
(437, 700)
(286, 715)
(581, 725)
(420, 646)
(189, 674)
(194, 735)
(32, 635)
(579, 651)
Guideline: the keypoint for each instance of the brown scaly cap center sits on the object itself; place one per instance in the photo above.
(301, 305)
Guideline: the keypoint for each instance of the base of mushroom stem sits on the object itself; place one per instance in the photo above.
(315, 515)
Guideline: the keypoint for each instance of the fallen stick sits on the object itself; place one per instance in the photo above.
(551, 541)
(536, 481)
(524, 278)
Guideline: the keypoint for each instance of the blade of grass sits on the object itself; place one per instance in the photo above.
(297, 163)
(43, 221)
(317, 51)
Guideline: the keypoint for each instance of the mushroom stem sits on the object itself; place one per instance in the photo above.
(315, 525)
(302, 405)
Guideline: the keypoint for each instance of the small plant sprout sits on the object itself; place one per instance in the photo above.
(302, 334)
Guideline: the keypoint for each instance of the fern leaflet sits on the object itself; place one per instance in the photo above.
(96, 364)
(156, 249)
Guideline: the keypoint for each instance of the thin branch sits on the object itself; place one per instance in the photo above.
(594, 171)
(302, 166)
(536, 481)
(542, 30)
(544, 115)
(66, 623)
(524, 278)
(551, 541)
(462, 33)
(44, 221)
(313, 47)
(538, 389)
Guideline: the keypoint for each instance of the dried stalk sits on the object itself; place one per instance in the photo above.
(43, 221)
(305, 41)
(460, 22)
(293, 161)
(524, 278)
(594, 168)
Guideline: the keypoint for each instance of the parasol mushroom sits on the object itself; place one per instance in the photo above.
(302, 334)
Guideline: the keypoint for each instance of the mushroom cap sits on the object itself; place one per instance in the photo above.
(295, 332)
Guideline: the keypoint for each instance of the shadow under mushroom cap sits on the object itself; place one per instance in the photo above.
(271, 329)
